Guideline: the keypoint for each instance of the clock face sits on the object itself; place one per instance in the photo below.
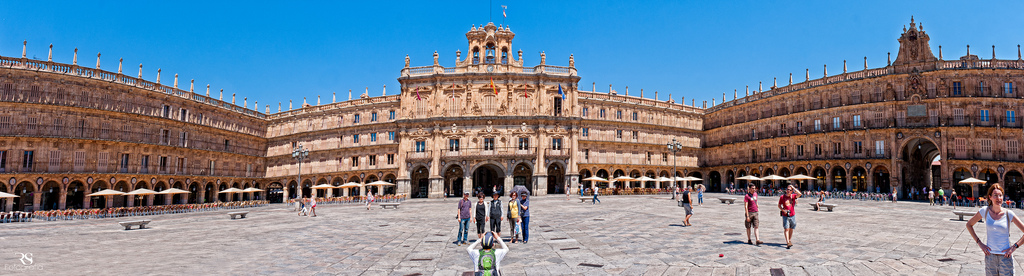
(490, 68)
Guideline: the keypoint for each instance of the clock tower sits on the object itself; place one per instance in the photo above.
(490, 47)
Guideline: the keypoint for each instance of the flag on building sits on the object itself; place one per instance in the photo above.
(495, 88)
(503, 14)
(417, 93)
(560, 92)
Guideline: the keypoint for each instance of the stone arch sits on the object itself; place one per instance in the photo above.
(420, 186)
(821, 178)
(376, 190)
(961, 173)
(209, 193)
(307, 188)
(651, 184)
(24, 190)
(50, 195)
(1014, 187)
(275, 192)
(991, 177)
(98, 201)
(858, 179)
(160, 199)
(454, 180)
(584, 174)
(880, 179)
(730, 179)
(522, 174)
(838, 178)
(714, 181)
(556, 178)
(602, 173)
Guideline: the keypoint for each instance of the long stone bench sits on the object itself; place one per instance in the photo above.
(140, 223)
(238, 214)
(385, 205)
(965, 213)
(828, 206)
(729, 200)
(584, 199)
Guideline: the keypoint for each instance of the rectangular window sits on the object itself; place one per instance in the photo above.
(54, 161)
(664, 157)
(453, 144)
(618, 134)
(584, 114)
(27, 159)
(586, 154)
(768, 153)
(879, 148)
(167, 111)
(986, 145)
(181, 166)
(957, 89)
(817, 125)
(391, 115)
(835, 123)
(212, 166)
(817, 149)
(782, 152)
(618, 114)
(421, 146)
(3, 160)
(355, 119)
(488, 143)
(524, 143)
(391, 135)
(227, 145)
(601, 113)
(163, 164)
(857, 147)
(355, 138)
(372, 159)
(165, 138)
(391, 158)
(1013, 149)
(799, 150)
(837, 148)
(856, 120)
(144, 164)
(1011, 116)
(983, 115)
(124, 161)
(636, 134)
(183, 139)
(1008, 87)
(557, 106)
(586, 132)
(635, 116)
(355, 161)
(556, 143)
(373, 117)
(373, 137)
(800, 126)
(183, 115)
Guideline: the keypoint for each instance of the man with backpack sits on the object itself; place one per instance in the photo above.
(487, 260)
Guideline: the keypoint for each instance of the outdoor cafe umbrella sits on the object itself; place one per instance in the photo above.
(645, 179)
(230, 191)
(252, 190)
(595, 179)
(380, 183)
(106, 192)
(972, 180)
(323, 186)
(6, 195)
(799, 177)
(141, 192)
(773, 178)
(172, 191)
(749, 178)
(350, 185)
(624, 178)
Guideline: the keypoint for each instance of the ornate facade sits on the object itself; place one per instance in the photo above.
(491, 122)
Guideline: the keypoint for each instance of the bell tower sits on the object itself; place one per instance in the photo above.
(914, 46)
(490, 45)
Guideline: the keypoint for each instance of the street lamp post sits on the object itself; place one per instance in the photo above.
(674, 147)
(300, 154)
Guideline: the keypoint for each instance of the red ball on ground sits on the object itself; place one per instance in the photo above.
(721, 255)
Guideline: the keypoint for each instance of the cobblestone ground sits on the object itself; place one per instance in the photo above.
(629, 235)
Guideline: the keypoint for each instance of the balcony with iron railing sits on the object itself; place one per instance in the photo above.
(72, 132)
(791, 155)
(17, 167)
(983, 155)
(497, 152)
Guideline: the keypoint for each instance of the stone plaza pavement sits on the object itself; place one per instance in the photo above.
(630, 235)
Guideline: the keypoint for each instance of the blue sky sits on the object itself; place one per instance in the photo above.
(275, 51)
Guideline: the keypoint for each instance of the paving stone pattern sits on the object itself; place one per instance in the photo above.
(624, 235)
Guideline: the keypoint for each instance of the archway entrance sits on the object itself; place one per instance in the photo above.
(486, 178)
(602, 174)
(293, 189)
(210, 193)
(275, 192)
(24, 191)
(960, 188)
(715, 181)
(51, 196)
(858, 179)
(75, 195)
(1014, 185)
(121, 200)
(522, 175)
(990, 178)
(98, 201)
(881, 180)
(838, 179)
(193, 196)
(556, 179)
(454, 178)
(819, 175)
(420, 182)
(917, 157)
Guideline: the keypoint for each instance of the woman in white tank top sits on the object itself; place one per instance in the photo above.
(997, 247)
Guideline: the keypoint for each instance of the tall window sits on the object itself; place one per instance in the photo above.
(227, 145)
(837, 148)
(453, 144)
(488, 143)
(144, 163)
(373, 137)
(355, 119)
(856, 120)
(355, 161)
(373, 117)
(857, 147)
(817, 125)
(391, 158)
(586, 132)
(817, 149)
(183, 139)
(524, 143)
(421, 146)
(768, 153)
(167, 111)
(799, 150)
(960, 148)
(27, 160)
(557, 107)
(165, 137)
(124, 162)
(372, 159)
(1011, 116)
(183, 115)
(391, 115)
(162, 163)
(835, 123)
(879, 148)
(618, 134)
(556, 143)
(3, 160)
(782, 151)
(983, 115)
(391, 135)
(355, 138)
(618, 114)
(636, 116)
(957, 89)
(584, 112)
(1008, 87)
(601, 113)
(636, 134)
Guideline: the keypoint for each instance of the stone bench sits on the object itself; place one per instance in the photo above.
(584, 199)
(128, 224)
(729, 200)
(385, 205)
(964, 213)
(828, 206)
(238, 214)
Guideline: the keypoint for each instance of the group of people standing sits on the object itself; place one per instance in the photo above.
(492, 213)
(787, 210)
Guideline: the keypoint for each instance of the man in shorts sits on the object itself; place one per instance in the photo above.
(787, 205)
(686, 205)
(750, 214)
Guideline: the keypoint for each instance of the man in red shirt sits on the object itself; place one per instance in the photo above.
(787, 204)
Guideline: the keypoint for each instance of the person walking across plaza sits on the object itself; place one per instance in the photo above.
(787, 206)
(524, 203)
(750, 214)
(686, 205)
(596, 191)
(487, 260)
(369, 200)
(942, 197)
(302, 204)
(312, 205)
(931, 197)
(566, 192)
(997, 247)
(495, 215)
(700, 194)
(463, 216)
(513, 216)
(480, 211)
(952, 199)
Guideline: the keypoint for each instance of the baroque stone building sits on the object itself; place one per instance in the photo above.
(491, 122)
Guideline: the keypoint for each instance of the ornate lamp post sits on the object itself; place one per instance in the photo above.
(674, 147)
(300, 154)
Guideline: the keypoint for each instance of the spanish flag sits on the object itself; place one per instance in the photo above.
(417, 93)
(495, 88)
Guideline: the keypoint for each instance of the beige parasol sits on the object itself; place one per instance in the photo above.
(380, 183)
(141, 192)
(252, 190)
(172, 191)
(230, 191)
(323, 186)
(972, 180)
(6, 195)
(106, 192)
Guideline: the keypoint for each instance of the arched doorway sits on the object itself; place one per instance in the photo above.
(650, 184)
(193, 196)
(322, 193)
(420, 182)
(838, 178)
(307, 188)
(1014, 185)
(376, 190)
(881, 180)
(917, 157)
(24, 191)
(210, 193)
(584, 174)
(178, 198)
(961, 189)
(990, 177)
(222, 197)
(730, 179)
(742, 183)
(356, 190)
(556, 179)
(819, 182)
(390, 178)
(98, 201)
(159, 199)
(803, 184)
(784, 172)
(694, 183)
(121, 200)
(602, 174)
(485, 178)
(51, 196)
(75, 195)
(522, 175)
(858, 179)
(275, 192)
(293, 189)
(454, 178)
(634, 174)
(715, 181)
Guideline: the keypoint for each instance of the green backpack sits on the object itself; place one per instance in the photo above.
(486, 264)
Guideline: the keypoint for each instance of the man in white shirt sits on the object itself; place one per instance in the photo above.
(488, 251)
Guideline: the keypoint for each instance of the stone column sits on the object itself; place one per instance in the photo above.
(436, 188)
(539, 180)
(10, 205)
(109, 200)
(284, 193)
(131, 201)
(870, 183)
(86, 202)
(467, 184)
(168, 199)
(149, 200)
(330, 192)
(63, 201)
(509, 182)
(404, 186)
